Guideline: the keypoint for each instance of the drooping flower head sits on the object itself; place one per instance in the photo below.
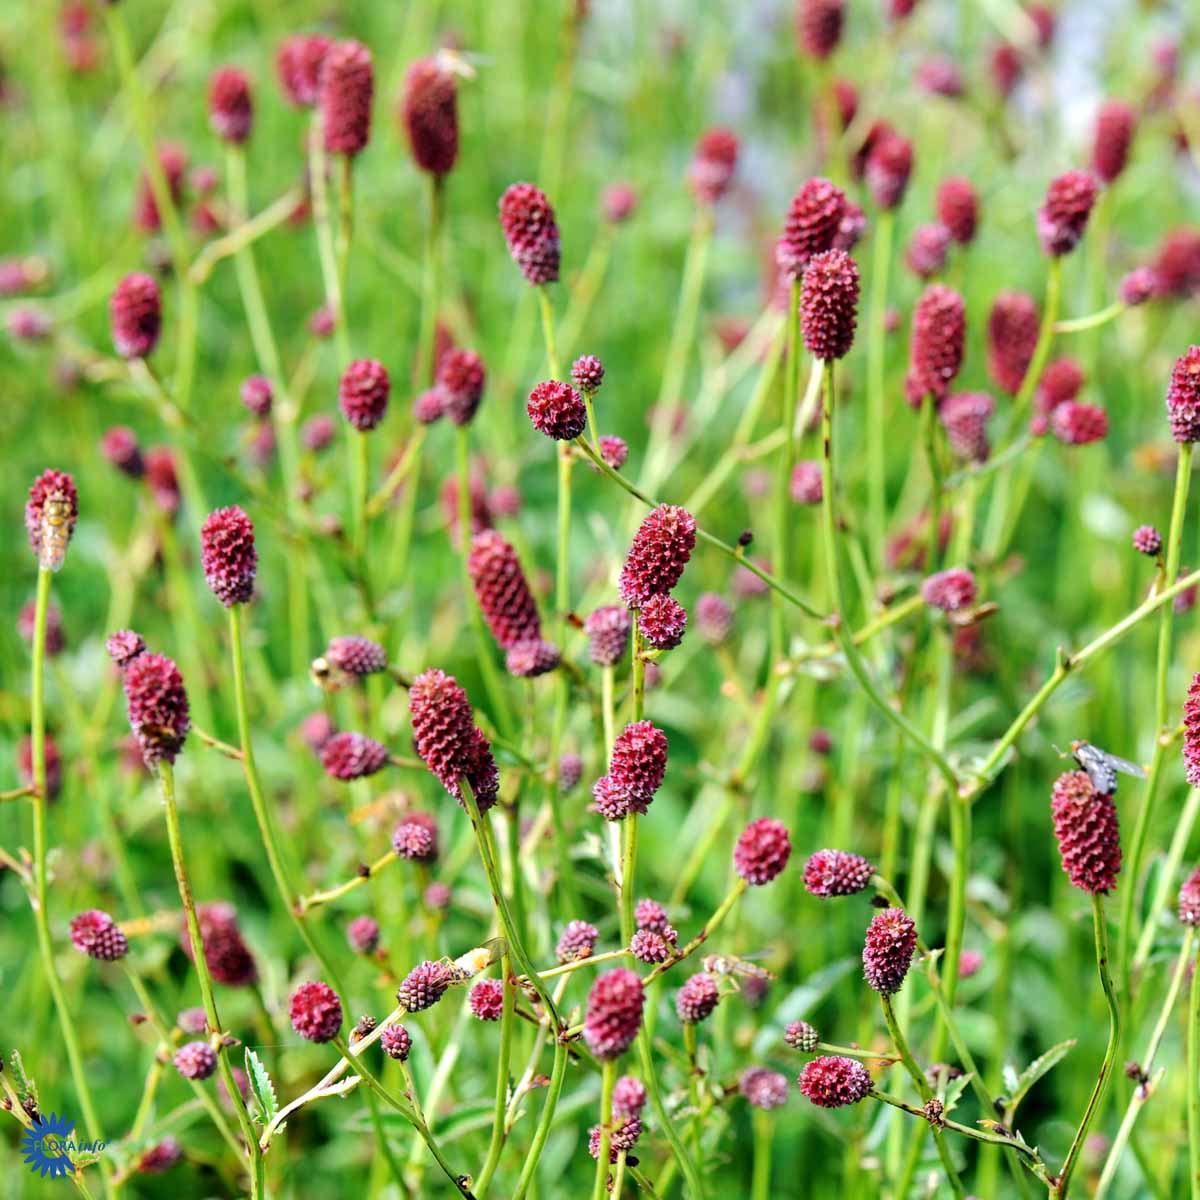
(813, 221)
(614, 1013)
(658, 554)
(347, 89)
(936, 348)
(429, 112)
(447, 739)
(1085, 825)
(711, 170)
(228, 555)
(158, 707)
(836, 873)
(833, 1081)
(502, 590)
(230, 106)
(315, 1011)
(829, 304)
(1012, 335)
(762, 851)
(531, 232)
(135, 315)
(888, 950)
(1064, 213)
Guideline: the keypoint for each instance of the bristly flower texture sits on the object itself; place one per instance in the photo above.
(888, 950)
(629, 1097)
(135, 315)
(363, 393)
(1147, 540)
(1012, 335)
(1183, 397)
(800, 1035)
(363, 935)
(429, 111)
(225, 951)
(958, 209)
(819, 26)
(356, 656)
(587, 374)
(531, 232)
(614, 1013)
(638, 763)
(1189, 899)
(763, 1088)
(837, 873)
(447, 739)
(423, 986)
(1064, 214)
(829, 305)
(348, 756)
(396, 1042)
(834, 1082)
(608, 629)
(658, 554)
(662, 621)
(649, 914)
(347, 90)
(557, 410)
(298, 64)
(711, 170)
(158, 707)
(647, 946)
(813, 221)
(415, 837)
(461, 379)
(315, 1011)
(230, 107)
(1078, 424)
(939, 329)
(97, 935)
(762, 851)
(228, 555)
(576, 941)
(195, 1060)
(50, 515)
(696, 1000)
(502, 590)
(1115, 124)
(1191, 732)
(950, 590)
(124, 646)
(623, 1137)
(1085, 824)
(964, 417)
(487, 999)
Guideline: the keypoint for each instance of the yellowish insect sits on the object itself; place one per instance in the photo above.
(57, 522)
(466, 967)
(729, 967)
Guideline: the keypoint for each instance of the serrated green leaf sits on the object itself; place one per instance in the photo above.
(1036, 1069)
(261, 1085)
(26, 1088)
(955, 1090)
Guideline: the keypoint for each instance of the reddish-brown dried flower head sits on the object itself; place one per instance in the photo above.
(50, 515)
(836, 873)
(964, 417)
(834, 1082)
(608, 630)
(423, 986)
(487, 999)
(577, 941)
(926, 252)
(936, 348)
(356, 655)
(813, 222)
(415, 837)
(1183, 397)
(135, 315)
(629, 1097)
(763, 1088)
(120, 446)
(195, 1060)
(557, 410)
(461, 379)
(697, 998)
(348, 756)
(531, 232)
(298, 64)
(363, 935)
(226, 954)
(819, 26)
(958, 209)
(502, 590)
(1115, 124)
(1191, 732)
(887, 953)
(1064, 213)
(228, 555)
(711, 169)
(829, 304)
(396, 1042)
(587, 373)
(762, 851)
(658, 554)
(800, 1035)
(662, 622)
(614, 1013)
(124, 646)
(447, 740)
(1189, 899)
(315, 1011)
(638, 762)
(230, 107)
(347, 89)
(157, 706)
(1077, 424)
(1012, 337)
(363, 393)
(950, 590)
(1085, 824)
(97, 935)
(888, 168)
(429, 111)
(714, 618)
(1147, 540)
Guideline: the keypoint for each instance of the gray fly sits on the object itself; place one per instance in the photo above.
(1102, 767)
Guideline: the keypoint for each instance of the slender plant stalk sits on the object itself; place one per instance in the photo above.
(1166, 878)
(1063, 1182)
(1193, 1083)
(929, 431)
(498, 1123)
(783, 472)
(760, 1180)
(876, 351)
(608, 1077)
(545, 1121)
(1093, 320)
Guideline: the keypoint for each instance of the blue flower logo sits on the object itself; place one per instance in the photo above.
(43, 1146)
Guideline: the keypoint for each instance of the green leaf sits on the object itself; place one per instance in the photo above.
(26, 1088)
(261, 1085)
(954, 1091)
(1034, 1072)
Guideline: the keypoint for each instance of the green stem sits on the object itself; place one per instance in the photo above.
(1092, 321)
(1193, 1083)
(650, 1079)
(323, 225)
(760, 1183)
(783, 473)
(876, 353)
(929, 429)
(1167, 877)
(828, 522)
(608, 1076)
(506, 1036)
(546, 1120)
(1063, 1182)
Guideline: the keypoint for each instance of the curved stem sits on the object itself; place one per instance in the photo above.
(650, 1079)
(1093, 320)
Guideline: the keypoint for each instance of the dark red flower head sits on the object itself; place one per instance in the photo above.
(958, 209)
(658, 554)
(819, 26)
(1012, 335)
(396, 1042)
(697, 998)
(662, 622)
(711, 170)
(950, 590)
(447, 739)
(230, 107)
(348, 756)
(1005, 68)
(163, 1155)
(157, 706)
(1060, 382)
(935, 352)
(1191, 732)
(629, 1097)
(1147, 540)
(195, 1060)
(638, 763)
(429, 111)
(531, 232)
(888, 950)
(363, 935)
(813, 222)
(829, 304)
(120, 446)
(461, 378)
(1085, 824)
(834, 1082)
(1064, 213)
(531, 658)
(347, 83)
(1183, 397)
(836, 873)
(763, 1088)
(97, 935)
(502, 590)
(1114, 131)
(316, 1011)
(415, 838)
(1189, 899)
(429, 406)
(613, 450)
(647, 946)
(614, 1013)
(964, 417)
(50, 515)
(363, 393)
(135, 315)
(226, 954)
(298, 64)
(587, 373)
(888, 167)
(557, 410)
(608, 630)
(1138, 286)
(228, 555)
(257, 394)
(762, 851)
(926, 252)
(124, 646)
(577, 941)
(1177, 263)
(356, 655)
(800, 1035)
(423, 986)
(1078, 424)
(173, 161)
(487, 999)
